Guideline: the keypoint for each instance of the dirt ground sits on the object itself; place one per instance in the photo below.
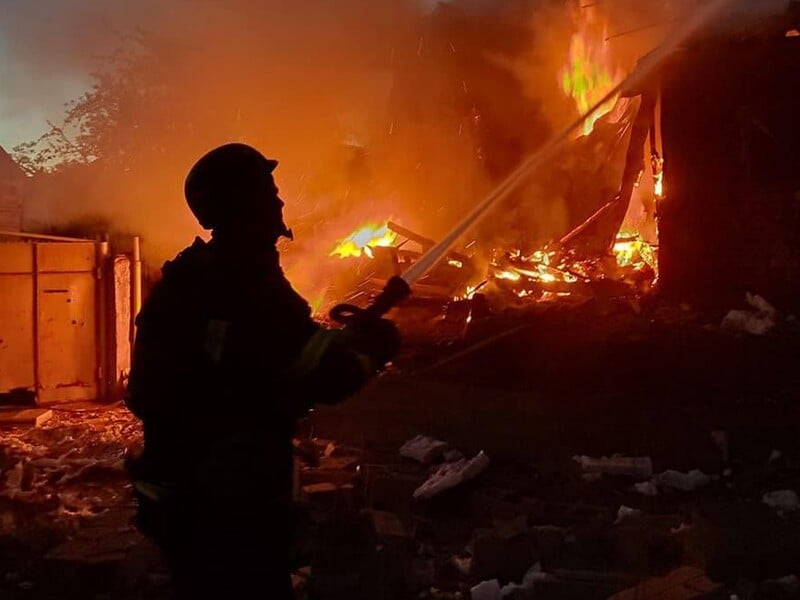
(715, 413)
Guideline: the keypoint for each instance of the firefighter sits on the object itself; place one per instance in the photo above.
(226, 358)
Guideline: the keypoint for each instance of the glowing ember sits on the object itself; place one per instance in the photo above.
(509, 275)
(361, 241)
(590, 75)
(455, 263)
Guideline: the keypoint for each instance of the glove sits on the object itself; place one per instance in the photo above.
(376, 338)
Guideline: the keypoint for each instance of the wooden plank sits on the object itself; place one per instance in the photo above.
(30, 417)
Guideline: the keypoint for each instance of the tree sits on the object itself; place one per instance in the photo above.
(115, 122)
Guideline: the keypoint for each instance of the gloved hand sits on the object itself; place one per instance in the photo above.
(376, 338)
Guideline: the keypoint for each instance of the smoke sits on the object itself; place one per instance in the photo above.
(398, 109)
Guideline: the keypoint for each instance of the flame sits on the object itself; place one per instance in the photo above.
(589, 74)
(657, 166)
(543, 274)
(363, 239)
(631, 250)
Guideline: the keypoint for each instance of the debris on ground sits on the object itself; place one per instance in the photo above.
(784, 501)
(686, 482)
(450, 475)
(486, 590)
(73, 463)
(762, 319)
(646, 488)
(626, 512)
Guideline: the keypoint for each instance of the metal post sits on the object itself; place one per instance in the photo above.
(136, 285)
(103, 318)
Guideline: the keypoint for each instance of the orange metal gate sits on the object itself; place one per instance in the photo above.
(50, 311)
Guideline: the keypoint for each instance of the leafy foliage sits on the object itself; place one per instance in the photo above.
(114, 122)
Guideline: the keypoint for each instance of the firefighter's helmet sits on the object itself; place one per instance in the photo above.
(232, 183)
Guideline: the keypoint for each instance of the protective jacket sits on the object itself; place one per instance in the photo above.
(227, 350)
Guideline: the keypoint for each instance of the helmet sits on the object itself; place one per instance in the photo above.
(231, 184)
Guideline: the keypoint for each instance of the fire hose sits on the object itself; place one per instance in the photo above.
(398, 288)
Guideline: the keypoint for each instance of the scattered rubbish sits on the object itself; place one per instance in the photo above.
(29, 417)
(683, 583)
(491, 590)
(424, 449)
(759, 321)
(646, 488)
(626, 512)
(486, 590)
(784, 501)
(533, 575)
(685, 482)
(450, 475)
(628, 466)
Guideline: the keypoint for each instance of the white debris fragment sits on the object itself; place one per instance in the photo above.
(423, 449)
(640, 467)
(486, 590)
(784, 501)
(686, 482)
(759, 321)
(450, 475)
(626, 512)
(646, 488)
(532, 575)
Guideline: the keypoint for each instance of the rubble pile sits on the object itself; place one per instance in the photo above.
(634, 529)
(73, 464)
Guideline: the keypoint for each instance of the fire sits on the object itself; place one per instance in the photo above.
(657, 165)
(551, 273)
(590, 74)
(362, 240)
(631, 250)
